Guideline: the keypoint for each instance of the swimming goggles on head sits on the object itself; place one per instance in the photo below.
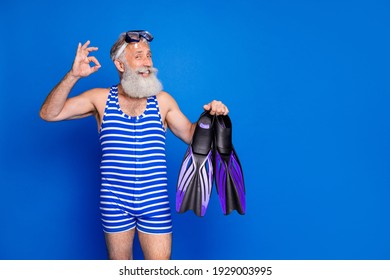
(134, 36)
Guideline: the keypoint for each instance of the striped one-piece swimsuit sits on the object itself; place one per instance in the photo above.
(133, 170)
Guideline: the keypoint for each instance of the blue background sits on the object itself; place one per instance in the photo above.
(307, 84)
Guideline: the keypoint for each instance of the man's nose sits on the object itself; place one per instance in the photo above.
(147, 62)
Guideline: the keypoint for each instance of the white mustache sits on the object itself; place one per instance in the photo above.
(146, 70)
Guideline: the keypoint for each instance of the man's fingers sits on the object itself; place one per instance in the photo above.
(95, 68)
(216, 108)
(78, 49)
(91, 49)
(86, 44)
(84, 50)
(94, 60)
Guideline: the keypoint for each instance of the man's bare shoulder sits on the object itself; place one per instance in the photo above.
(97, 97)
(163, 95)
(97, 94)
(165, 98)
(97, 91)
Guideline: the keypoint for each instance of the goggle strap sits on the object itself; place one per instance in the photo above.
(120, 51)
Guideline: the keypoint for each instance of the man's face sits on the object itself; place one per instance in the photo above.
(139, 79)
(138, 55)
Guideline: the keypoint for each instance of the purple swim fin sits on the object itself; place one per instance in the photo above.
(196, 174)
(229, 177)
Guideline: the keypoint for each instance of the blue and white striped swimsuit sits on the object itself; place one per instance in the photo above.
(133, 170)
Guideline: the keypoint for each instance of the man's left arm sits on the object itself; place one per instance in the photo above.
(177, 122)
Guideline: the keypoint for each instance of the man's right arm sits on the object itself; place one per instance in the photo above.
(57, 105)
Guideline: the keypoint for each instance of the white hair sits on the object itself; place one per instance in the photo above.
(120, 45)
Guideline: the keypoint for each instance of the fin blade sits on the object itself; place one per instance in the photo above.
(187, 172)
(206, 183)
(220, 180)
(195, 184)
(236, 174)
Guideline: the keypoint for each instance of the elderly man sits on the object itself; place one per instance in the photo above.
(132, 119)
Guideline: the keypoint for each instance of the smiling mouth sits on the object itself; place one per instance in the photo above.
(144, 72)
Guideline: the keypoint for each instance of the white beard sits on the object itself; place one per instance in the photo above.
(137, 86)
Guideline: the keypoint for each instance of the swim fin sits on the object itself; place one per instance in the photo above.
(229, 177)
(196, 174)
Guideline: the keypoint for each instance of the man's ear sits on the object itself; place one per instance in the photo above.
(119, 65)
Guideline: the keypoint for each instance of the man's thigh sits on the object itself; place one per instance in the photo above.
(156, 246)
(120, 245)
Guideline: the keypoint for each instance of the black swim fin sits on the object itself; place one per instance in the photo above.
(229, 177)
(196, 174)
